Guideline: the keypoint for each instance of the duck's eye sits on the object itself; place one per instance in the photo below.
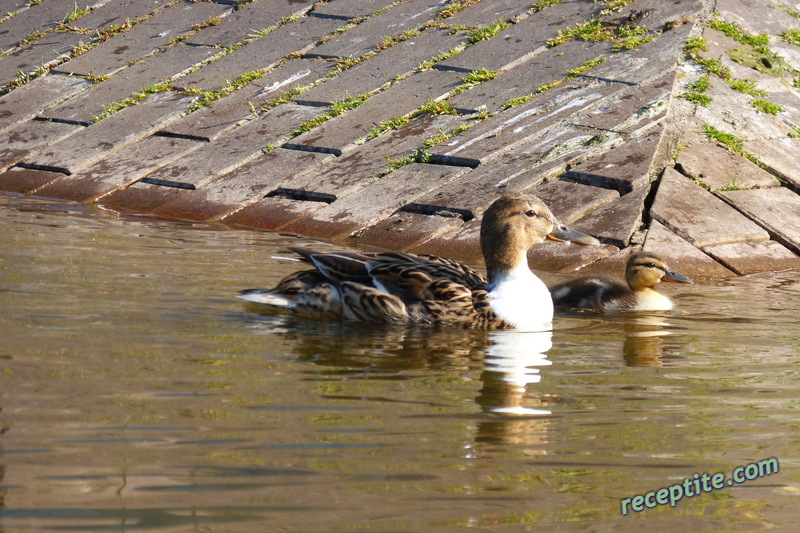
(530, 213)
(650, 265)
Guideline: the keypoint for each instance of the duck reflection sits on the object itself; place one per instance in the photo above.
(650, 340)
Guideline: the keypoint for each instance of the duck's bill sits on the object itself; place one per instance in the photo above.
(563, 234)
(676, 277)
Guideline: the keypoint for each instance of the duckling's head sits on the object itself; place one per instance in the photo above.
(514, 223)
(646, 270)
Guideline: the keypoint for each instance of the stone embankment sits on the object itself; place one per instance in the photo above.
(672, 126)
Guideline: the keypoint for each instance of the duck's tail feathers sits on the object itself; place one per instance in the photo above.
(265, 297)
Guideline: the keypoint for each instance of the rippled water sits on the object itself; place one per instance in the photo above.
(138, 394)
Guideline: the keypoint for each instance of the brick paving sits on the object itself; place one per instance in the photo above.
(671, 126)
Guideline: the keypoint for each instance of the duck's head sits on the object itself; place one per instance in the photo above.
(646, 270)
(514, 223)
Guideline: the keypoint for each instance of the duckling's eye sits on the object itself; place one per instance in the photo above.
(530, 213)
(650, 265)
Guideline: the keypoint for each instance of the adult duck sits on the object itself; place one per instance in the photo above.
(643, 272)
(423, 289)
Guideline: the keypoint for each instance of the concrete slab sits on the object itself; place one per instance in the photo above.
(616, 222)
(42, 53)
(509, 129)
(115, 133)
(570, 201)
(400, 100)
(682, 256)
(353, 8)
(117, 13)
(732, 112)
(226, 113)
(750, 258)
(525, 79)
(756, 17)
(404, 231)
(627, 167)
(717, 168)
(263, 53)
(400, 60)
(247, 20)
(519, 42)
(552, 256)
(43, 16)
(91, 102)
(374, 202)
(368, 35)
(366, 161)
(778, 155)
(27, 101)
(775, 209)
(25, 180)
(242, 187)
(28, 138)
(144, 38)
(697, 216)
(119, 169)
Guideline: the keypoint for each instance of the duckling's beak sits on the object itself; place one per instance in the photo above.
(562, 233)
(676, 277)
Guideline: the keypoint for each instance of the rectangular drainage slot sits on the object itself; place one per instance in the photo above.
(438, 211)
(305, 196)
(169, 183)
(309, 148)
(454, 161)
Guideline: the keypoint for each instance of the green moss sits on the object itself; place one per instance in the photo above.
(765, 106)
(487, 32)
(748, 86)
(767, 63)
(586, 66)
(75, 13)
(335, 110)
(700, 85)
(734, 31)
(695, 45)
(791, 35)
(132, 100)
(729, 140)
(697, 98)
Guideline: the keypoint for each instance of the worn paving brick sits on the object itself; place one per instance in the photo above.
(525, 79)
(404, 231)
(368, 35)
(397, 101)
(26, 139)
(111, 134)
(25, 180)
(633, 110)
(210, 160)
(682, 256)
(509, 129)
(571, 201)
(263, 53)
(41, 17)
(226, 113)
(779, 157)
(146, 37)
(43, 52)
(91, 102)
(751, 257)
(242, 187)
(117, 12)
(775, 209)
(485, 13)
(718, 168)
(247, 20)
(627, 167)
(521, 41)
(272, 212)
(399, 60)
(374, 202)
(757, 17)
(355, 8)
(119, 169)
(616, 222)
(698, 216)
(27, 101)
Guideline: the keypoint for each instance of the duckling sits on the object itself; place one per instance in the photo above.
(643, 272)
(405, 288)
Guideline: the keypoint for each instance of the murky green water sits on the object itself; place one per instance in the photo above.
(137, 394)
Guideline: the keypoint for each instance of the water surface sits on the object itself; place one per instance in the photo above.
(138, 394)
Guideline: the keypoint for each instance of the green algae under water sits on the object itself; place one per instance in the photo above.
(138, 394)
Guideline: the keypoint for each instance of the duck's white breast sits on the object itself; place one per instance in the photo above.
(521, 299)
